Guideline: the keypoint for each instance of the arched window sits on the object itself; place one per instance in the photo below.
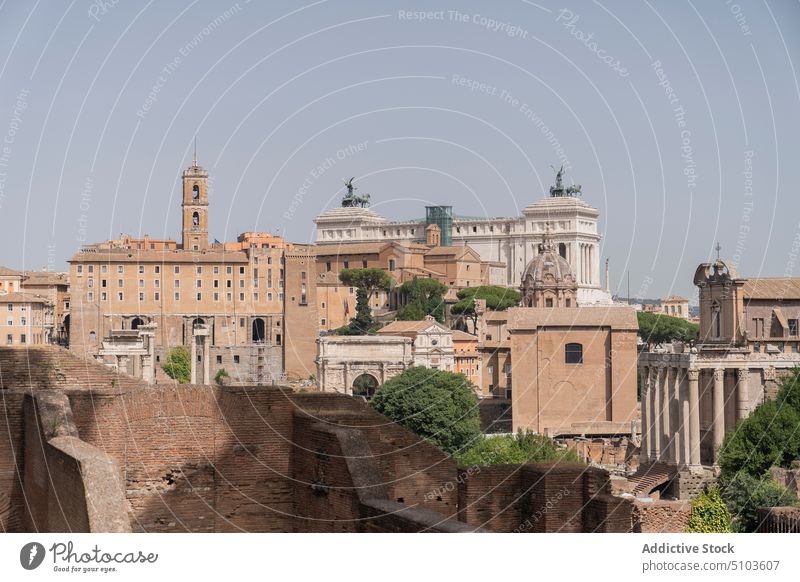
(715, 323)
(195, 192)
(92, 336)
(258, 330)
(195, 219)
(137, 321)
(562, 250)
(391, 264)
(573, 354)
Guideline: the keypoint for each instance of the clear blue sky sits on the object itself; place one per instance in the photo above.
(448, 109)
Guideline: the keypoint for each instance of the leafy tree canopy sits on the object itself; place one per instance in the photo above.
(438, 406)
(497, 298)
(178, 365)
(424, 297)
(659, 328)
(371, 279)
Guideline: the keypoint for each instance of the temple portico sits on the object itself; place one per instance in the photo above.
(690, 399)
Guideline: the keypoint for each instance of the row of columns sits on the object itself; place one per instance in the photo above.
(586, 263)
(677, 440)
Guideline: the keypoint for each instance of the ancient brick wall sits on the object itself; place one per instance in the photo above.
(495, 415)
(489, 496)
(12, 500)
(556, 498)
(197, 458)
(660, 516)
(70, 486)
(415, 472)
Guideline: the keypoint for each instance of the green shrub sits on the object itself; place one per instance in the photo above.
(178, 365)
(438, 406)
(221, 376)
(709, 513)
(525, 447)
(744, 493)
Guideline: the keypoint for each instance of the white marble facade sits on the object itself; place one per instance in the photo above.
(513, 241)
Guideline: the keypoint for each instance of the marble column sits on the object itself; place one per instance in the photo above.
(718, 398)
(742, 379)
(666, 426)
(655, 408)
(193, 355)
(693, 376)
(206, 360)
(644, 446)
(683, 402)
(676, 425)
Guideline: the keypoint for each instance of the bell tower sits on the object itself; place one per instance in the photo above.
(195, 207)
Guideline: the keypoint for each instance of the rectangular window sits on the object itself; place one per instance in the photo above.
(141, 296)
(235, 359)
(241, 296)
(91, 268)
(269, 296)
(11, 307)
(22, 339)
(199, 296)
(141, 269)
(176, 283)
(157, 283)
(119, 296)
(216, 296)
(216, 272)
(241, 270)
(229, 270)
(120, 282)
(216, 283)
(103, 283)
(199, 270)
(103, 296)
(228, 283)
(573, 354)
(141, 283)
(90, 296)
(241, 283)
(156, 296)
(255, 296)
(120, 269)
(80, 269)
(157, 269)
(793, 327)
(104, 268)
(328, 266)
(228, 297)
(199, 283)
(177, 269)
(9, 339)
(219, 359)
(346, 265)
(177, 296)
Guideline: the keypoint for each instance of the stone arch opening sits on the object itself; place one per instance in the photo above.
(259, 330)
(136, 322)
(365, 385)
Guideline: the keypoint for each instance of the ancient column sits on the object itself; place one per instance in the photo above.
(655, 407)
(206, 361)
(644, 447)
(677, 425)
(346, 387)
(693, 375)
(742, 378)
(666, 428)
(194, 358)
(718, 398)
(123, 364)
(683, 402)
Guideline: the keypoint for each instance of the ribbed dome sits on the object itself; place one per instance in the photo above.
(548, 266)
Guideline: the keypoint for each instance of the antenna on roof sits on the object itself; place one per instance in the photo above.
(718, 248)
(194, 159)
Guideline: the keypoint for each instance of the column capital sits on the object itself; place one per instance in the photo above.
(719, 374)
(742, 373)
(693, 374)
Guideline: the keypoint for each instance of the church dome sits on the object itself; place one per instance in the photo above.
(548, 280)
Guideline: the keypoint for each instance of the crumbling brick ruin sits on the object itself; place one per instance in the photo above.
(84, 449)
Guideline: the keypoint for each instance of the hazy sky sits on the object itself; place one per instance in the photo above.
(680, 120)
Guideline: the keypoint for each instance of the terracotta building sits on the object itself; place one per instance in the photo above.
(676, 306)
(10, 280)
(229, 302)
(55, 287)
(25, 319)
(568, 370)
(692, 396)
(466, 358)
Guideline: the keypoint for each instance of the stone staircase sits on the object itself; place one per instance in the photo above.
(649, 476)
(42, 367)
